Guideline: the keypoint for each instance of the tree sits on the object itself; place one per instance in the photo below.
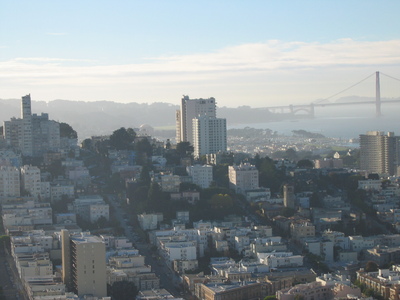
(221, 175)
(61, 206)
(184, 149)
(87, 144)
(56, 168)
(5, 242)
(287, 212)
(315, 200)
(102, 222)
(305, 163)
(67, 131)
(371, 266)
(168, 144)
(144, 146)
(2, 296)
(144, 150)
(122, 139)
(373, 176)
(257, 162)
(155, 198)
(115, 183)
(269, 176)
(188, 186)
(291, 154)
(122, 290)
(272, 297)
(221, 201)
(145, 178)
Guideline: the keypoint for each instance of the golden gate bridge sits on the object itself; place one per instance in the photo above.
(309, 109)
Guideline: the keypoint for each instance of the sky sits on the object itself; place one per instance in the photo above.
(255, 53)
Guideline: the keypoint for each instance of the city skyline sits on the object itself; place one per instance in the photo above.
(259, 53)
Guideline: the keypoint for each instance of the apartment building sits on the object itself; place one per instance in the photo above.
(243, 177)
(30, 180)
(201, 175)
(379, 152)
(84, 264)
(10, 185)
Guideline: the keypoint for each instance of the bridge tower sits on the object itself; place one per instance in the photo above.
(378, 96)
(312, 110)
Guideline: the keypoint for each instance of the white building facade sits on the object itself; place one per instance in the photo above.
(243, 177)
(201, 175)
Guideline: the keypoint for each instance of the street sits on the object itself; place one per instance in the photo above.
(10, 281)
(168, 279)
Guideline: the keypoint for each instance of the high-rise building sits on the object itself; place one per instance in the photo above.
(209, 135)
(84, 264)
(243, 177)
(190, 109)
(32, 135)
(197, 123)
(379, 152)
(26, 107)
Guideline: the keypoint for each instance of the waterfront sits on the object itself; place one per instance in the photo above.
(337, 123)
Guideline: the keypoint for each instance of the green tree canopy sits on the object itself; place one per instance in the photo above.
(221, 201)
(122, 139)
(291, 154)
(269, 176)
(122, 290)
(188, 186)
(184, 149)
(67, 131)
(87, 144)
(305, 163)
(371, 266)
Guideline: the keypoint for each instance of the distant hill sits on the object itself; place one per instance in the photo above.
(103, 117)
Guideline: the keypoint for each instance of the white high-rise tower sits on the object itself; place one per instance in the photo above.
(190, 109)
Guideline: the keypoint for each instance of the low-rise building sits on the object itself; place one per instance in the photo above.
(201, 175)
(380, 282)
(191, 197)
(235, 291)
(91, 208)
(302, 229)
(319, 246)
(150, 221)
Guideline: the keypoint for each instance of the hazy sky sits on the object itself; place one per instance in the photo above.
(257, 53)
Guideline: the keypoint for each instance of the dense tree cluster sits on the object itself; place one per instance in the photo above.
(122, 290)
(122, 139)
(269, 175)
(67, 131)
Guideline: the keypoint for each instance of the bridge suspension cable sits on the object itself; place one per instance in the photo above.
(390, 76)
(373, 74)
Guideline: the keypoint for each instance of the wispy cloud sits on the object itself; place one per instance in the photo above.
(51, 59)
(241, 67)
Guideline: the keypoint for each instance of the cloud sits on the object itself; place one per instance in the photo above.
(51, 59)
(241, 67)
(271, 56)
